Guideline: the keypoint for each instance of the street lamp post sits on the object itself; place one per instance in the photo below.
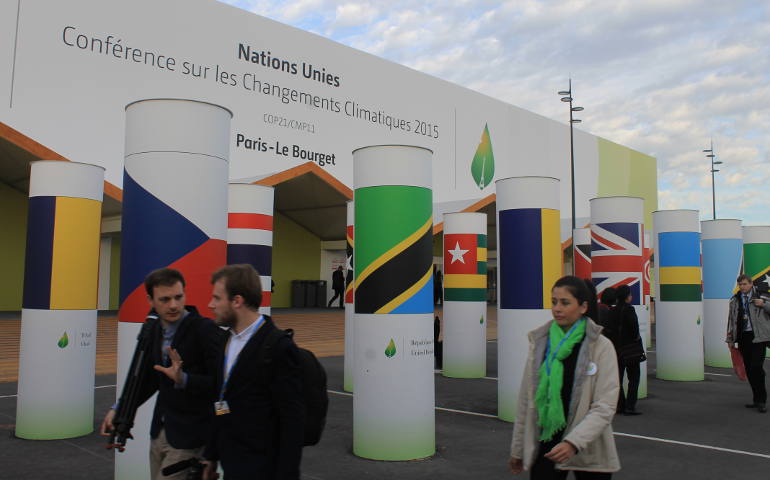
(566, 96)
(711, 155)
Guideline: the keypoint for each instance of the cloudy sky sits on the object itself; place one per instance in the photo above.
(661, 76)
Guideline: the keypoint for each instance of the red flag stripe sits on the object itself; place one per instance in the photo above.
(616, 263)
(256, 221)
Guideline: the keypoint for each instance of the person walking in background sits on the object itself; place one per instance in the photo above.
(570, 374)
(608, 298)
(338, 285)
(748, 329)
(629, 349)
(438, 287)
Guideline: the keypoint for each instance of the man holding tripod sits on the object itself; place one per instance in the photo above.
(184, 349)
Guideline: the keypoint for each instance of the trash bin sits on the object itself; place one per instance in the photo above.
(298, 288)
(310, 294)
(320, 293)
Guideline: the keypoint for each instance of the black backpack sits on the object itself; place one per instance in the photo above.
(314, 392)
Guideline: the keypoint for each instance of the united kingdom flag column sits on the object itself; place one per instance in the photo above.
(174, 215)
(529, 263)
(617, 248)
(581, 252)
(250, 232)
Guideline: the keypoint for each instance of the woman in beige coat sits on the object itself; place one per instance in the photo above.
(568, 394)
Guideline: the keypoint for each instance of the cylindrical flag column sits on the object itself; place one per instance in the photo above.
(647, 281)
(250, 232)
(393, 408)
(465, 295)
(350, 344)
(678, 310)
(581, 252)
(174, 215)
(617, 245)
(58, 317)
(722, 253)
(756, 258)
(529, 263)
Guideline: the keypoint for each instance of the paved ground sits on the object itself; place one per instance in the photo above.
(698, 429)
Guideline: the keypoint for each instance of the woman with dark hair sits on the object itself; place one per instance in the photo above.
(568, 394)
(605, 314)
(627, 344)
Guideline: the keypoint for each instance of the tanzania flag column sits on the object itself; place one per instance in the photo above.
(722, 253)
(581, 252)
(250, 232)
(174, 215)
(617, 248)
(465, 295)
(350, 344)
(678, 309)
(58, 317)
(393, 408)
(756, 257)
(529, 263)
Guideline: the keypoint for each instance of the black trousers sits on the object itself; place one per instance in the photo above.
(543, 469)
(338, 292)
(628, 401)
(754, 359)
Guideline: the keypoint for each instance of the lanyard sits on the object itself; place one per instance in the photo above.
(254, 327)
(550, 358)
(746, 305)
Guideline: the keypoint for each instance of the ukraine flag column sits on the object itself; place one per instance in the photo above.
(393, 407)
(58, 318)
(529, 263)
(679, 306)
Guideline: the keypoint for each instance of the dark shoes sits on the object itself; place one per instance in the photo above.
(761, 407)
(630, 413)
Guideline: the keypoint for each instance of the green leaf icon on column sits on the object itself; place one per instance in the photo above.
(391, 350)
(63, 341)
(698, 321)
(483, 165)
(481, 321)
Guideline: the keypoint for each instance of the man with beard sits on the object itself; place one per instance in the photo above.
(185, 348)
(259, 422)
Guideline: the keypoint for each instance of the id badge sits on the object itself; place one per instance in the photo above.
(221, 407)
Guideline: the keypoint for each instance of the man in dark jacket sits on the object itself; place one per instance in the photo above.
(259, 424)
(185, 349)
(748, 329)
(338, 285)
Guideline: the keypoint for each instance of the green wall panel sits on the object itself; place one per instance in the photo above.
(296, 256)
(13, 242)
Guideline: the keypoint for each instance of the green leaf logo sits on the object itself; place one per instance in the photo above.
(391, 350)
(698, 321)
(483, 165)
(63, 341)
(481, 320)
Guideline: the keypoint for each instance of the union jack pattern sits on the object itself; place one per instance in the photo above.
(616, 257)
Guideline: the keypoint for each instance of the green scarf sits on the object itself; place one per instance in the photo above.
(550, 408)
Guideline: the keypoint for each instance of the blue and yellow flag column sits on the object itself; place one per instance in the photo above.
(722, 254)
(679, 306)
(529, 263)
(393, 408)
(465, 295)
(58, 319)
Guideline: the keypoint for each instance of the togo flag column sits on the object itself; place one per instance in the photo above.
(581, 252)
(174, 215)
(529, 263)
(617, 248)
(350, 344)
(393, 408)
(465, 295)
(58, 317)
(250, 232)
(679, 306)
(722, 254)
